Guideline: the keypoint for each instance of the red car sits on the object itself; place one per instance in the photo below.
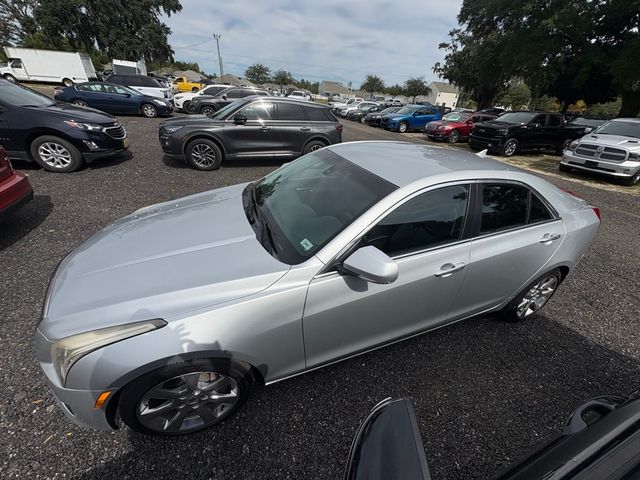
(15, 189)
(455, 126)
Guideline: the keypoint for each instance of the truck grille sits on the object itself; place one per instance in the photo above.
(590, 150)
(116, 131)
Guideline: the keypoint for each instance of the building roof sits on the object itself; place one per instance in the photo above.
(191, 75)
(444, 87)
(402, 163)
(233, 80)
(334, 87)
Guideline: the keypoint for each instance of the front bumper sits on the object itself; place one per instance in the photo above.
(626, 169)
(94, 145)
(172, 145)
(77, 405)
(437, 134)
(493, 144)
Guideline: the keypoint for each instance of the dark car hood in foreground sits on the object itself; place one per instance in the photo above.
(72, 112)
(158, 262)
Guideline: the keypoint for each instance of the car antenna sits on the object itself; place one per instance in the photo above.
(482, 154)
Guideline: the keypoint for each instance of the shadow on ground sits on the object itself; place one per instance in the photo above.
(19, 223)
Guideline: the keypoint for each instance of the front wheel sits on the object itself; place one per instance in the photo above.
(186, 397)
(403, 127)
(532, 298)
(55, 154)
(10, 78)
(203, 154)
(194, 89)
(510, 147)
(186, 106)
(632, 180)
(454, 136)
(149, 111)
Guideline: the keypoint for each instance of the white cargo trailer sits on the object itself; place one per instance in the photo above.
(52, 66)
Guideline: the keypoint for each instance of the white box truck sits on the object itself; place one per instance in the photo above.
(52, 66)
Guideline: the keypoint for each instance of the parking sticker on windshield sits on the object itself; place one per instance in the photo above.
(306, 244)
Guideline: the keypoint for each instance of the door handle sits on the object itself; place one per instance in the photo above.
(449, 269)
(547, 238)
(305, 129)
(265, 129)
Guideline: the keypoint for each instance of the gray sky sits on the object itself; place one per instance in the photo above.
(317, 40)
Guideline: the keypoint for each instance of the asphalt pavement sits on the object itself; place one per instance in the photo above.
(485, 392)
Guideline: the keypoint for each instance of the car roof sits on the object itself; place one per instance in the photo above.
(632, 120)
(402, 163)
(283, 100)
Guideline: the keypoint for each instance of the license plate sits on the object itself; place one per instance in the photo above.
(125, 143)
(591, 164)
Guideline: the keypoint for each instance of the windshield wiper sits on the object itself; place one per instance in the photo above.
(257, 217)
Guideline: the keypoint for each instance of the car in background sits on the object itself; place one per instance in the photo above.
(249, 128)
(495, 111)
(522, 131)
(612, 149)
(599, 441)
(182, 101)
(210, 104)
(150, 86)
(374, 118)
(589, 124)
(15, 189)
(345, 110)
(455, 126)
(335, 106)
(359, 114)
(396, 102)
(112, 98)
(58, 136)
(183, 84)
(169, 318)
(410, 117)
(299, 95)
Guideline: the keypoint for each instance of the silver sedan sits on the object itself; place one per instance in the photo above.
(169, 317)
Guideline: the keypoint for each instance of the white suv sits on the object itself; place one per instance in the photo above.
(181, 101)
(299, 95)
(611, 149)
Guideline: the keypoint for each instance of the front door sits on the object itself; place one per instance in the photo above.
(345, 315)
(256, 136)
(536, 133)
(18, 69)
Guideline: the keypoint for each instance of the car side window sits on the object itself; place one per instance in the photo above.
(316, 114)
(504, 206)
(236, 93)
(429, 220)
(120, 90)
(555, 120)
(288, 111)
(539, 120)
(258, 111)
(538, 211)
(83, 88)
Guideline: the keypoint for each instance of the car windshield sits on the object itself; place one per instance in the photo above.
(389, 110)
(224, 111)
(297, 209)
(586, 122)
(624, 129)
(406, 110)
(19, 96)
(516, 117)
(456, 117)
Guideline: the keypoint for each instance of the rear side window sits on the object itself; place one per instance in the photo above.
(538, 211)
(317, 114)
(288, 111)
(235, 93)
(503, 207)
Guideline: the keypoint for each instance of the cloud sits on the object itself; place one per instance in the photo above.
(329, 40)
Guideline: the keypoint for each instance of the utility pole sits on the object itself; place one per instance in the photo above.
(217, 37)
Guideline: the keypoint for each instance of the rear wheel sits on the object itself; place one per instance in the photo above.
(454, 136)
(208, 111)
(80, 103)
(149, 111)
(313, 146)
(186, 397)
(403, 127)
(67, 82)
(55, 154)
(203, 154)
(532, 298)
(510, 147)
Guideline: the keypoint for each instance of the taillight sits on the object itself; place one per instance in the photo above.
(596, 210)
(339, 127)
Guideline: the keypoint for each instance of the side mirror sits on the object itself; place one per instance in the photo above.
(371, 265)
(239, 119)
(588, 130)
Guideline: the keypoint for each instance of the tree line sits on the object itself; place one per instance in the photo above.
(566, 49)
(261, 74)
(413, 87)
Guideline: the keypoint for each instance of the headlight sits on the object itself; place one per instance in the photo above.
(634, 157)
(572, 146)
(67, 351)
(160, 102)
(503, 131)
(171, 129)
(91, 127)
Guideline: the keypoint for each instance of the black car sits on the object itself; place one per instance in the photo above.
(210, 104)
(373, 118)
(600, 441)
(248, 128)
(58, 136)
(359, 114)
(112, 98)
(495, 111)
(589, 124)
(519, 131)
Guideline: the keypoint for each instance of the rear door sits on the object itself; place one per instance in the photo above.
(554, 131)
(95, 96)
(536, 134)
(517, 233)
(421, 117)
(292, 128)
(256, 137)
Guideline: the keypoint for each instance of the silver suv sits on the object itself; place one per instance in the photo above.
(612, 149)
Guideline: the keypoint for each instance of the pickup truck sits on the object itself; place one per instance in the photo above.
(519, 131)
(184, 85)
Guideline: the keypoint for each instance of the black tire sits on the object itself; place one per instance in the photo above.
(186, 106)
(135, 395)
(403, 127)
(48, 143)
(564, 168)
(629, 182)
(510, 313)
(67, 82)
(203, 154)
(10, 78)
(454, 136)
(149, 110)
(312, 146)
(80, 103)
(510, 147)
(208, 110)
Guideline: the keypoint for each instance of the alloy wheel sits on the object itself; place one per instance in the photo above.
(203, 155)
(80, 103)
(453, 136)
(54, 155)
(537, 296)
(510, 148)
(402, 128)
(149, 110)
(208, 111)
(188, 402)
(315, 147)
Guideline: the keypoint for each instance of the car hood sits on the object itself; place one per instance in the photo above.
(71, 112)
(613, 141)
(439, 123)
(158, 262)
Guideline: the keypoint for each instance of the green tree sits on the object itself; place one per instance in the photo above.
(372, 84)
(282, 77)
(258, 73)
(395, 90)
(415, 87)
(16, 20)
(517, 96)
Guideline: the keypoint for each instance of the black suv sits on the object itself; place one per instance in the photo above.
(248, 128)
(518, 131)
(210, 104)
(56, 135)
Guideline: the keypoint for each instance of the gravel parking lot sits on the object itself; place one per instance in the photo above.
(485, 392)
